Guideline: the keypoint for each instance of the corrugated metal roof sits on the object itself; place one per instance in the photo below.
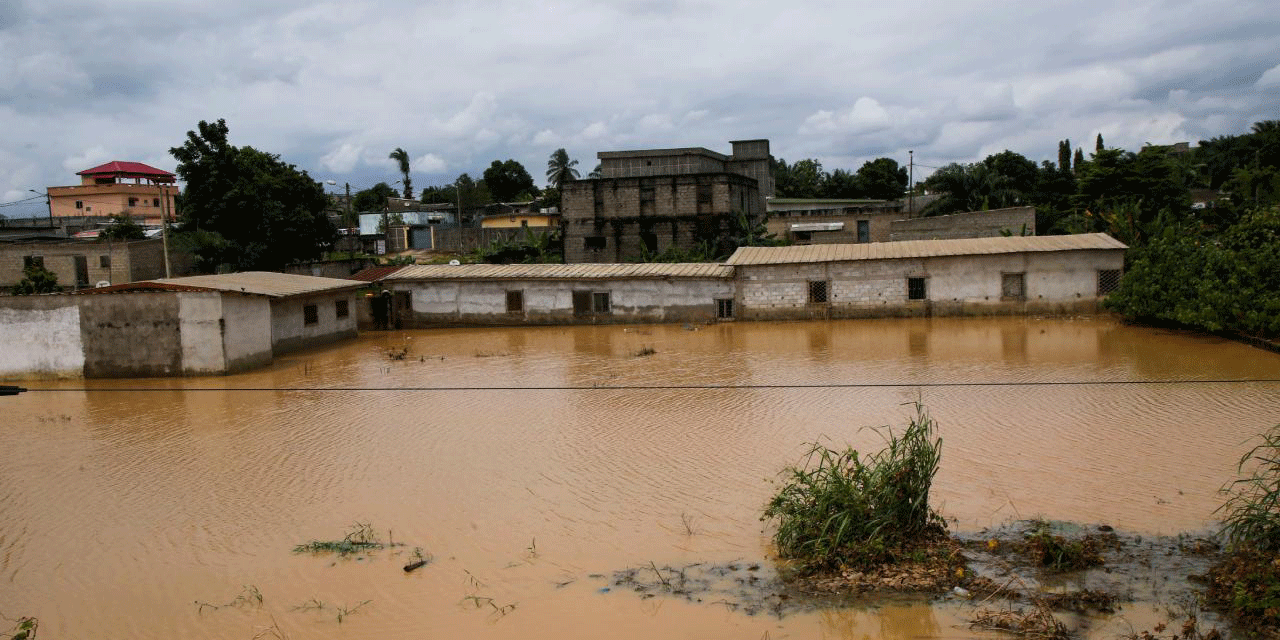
(920, 249)
(374, 274)
(588, 271)
(265, 283)
(143, 286)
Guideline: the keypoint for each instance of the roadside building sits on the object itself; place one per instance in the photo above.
(999, 275)
(652, 201)
(827, 221)
(199, 325)
(516, 294)
(83, 263)
(141, 191)
(1016, 221)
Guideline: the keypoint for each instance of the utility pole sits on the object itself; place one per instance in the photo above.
(47, 203)
(165, 209)
(911, 184)
(350, 218)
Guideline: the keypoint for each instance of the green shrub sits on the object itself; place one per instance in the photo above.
(842, 508)
(1252, 519)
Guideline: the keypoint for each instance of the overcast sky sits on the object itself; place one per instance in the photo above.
(334, 87)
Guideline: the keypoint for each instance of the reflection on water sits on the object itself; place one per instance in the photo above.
(120, 509)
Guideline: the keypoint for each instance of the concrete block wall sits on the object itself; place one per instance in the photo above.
(41, 337)
(972, 224)
(59, 257)
(878, 226)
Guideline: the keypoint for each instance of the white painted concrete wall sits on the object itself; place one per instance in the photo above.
(246, 334)
(290, 332)
(200, 327)
(41, 342)
(551, 301)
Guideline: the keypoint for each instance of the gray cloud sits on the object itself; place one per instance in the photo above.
(334, 86)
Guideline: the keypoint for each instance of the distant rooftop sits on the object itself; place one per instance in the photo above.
(123, 169)
(920, 249)
(587, 271)
(258, 283)
(649, 153)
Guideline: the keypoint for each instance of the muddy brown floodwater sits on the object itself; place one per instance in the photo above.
(124, 505)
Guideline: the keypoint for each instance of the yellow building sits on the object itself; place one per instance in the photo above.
(516, 220)
(105, 190)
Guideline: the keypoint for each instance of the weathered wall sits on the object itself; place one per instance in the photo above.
(40, 337)
(972, 224)
(675, 211)
(131, 335)
(1055, 282)
(551, 302)
(246, 334)
(878, 226)
(289, 332)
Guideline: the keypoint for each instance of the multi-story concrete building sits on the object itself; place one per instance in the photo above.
(655, 200)
(105, 190)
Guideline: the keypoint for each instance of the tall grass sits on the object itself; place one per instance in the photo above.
(1252, 518)
(844, 508)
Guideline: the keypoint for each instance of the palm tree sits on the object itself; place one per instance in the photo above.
(560, 169)
(596, 172)
(401, 156)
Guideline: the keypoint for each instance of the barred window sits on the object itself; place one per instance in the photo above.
(724, 308)
(916, 289)
(310, 314)
(1013, 286)
(1108, 281)
(817, 291)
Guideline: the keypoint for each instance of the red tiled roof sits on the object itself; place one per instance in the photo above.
(374, 274)
(128, 168)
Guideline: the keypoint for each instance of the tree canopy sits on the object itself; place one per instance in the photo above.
(402, 161)
(253, 211)
(373, 199)
(560, 169)
(509, 180)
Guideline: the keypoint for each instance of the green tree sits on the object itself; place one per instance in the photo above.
(882, 179)
(1097, 145)
(597, 172)
(122, 227)
(402, 159)
(560, 169)
(443, 194)
(841, 184)
(35, 279)
(508, 180)
(1022, 173)
(1064, 155)
(969, 187)
(472, 195)
(804, 179)
(1077, 160)
(256, 211)
(373, 199)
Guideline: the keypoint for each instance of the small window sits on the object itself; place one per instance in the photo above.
(803, 236)
(916, 289)
(155, 202)
(600, 302)
(724, 308)
(594, 243)
(104, 262)
(817, 291)
(133, 202)
(864, 231)
(1013, 286)
(650, 242)
(1108, 281)
(515, 302)
(340, 309)
(704, 194)
(310, 315)
(32, 261)
(79, 204)
(524, 223)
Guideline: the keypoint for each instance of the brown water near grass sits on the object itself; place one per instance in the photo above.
(119, 510)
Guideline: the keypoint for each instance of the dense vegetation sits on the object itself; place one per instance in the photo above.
(841, 508)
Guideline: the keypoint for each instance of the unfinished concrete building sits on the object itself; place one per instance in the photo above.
(652, 201)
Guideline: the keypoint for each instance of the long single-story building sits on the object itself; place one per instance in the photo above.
(198, 325)
(515, 294)
(974, 276)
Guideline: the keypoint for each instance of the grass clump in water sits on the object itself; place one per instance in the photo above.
(1059, 553)
(361, 537)
(843, 509)
(1246, 582)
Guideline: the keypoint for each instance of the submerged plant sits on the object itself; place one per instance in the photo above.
(361, 537)
(843, 508)
(1253, 512)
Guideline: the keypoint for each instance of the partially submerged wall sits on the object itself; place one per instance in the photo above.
(41, 337)
(543, 302)
(292, 329)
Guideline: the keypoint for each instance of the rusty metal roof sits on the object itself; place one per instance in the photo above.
(588, 271)
(142, 286)
(920, 249)
(264, 283)
(374, 274)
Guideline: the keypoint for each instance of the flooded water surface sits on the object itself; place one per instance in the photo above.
(530, 464)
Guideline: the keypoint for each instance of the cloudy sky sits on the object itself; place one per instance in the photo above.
(333, 87)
